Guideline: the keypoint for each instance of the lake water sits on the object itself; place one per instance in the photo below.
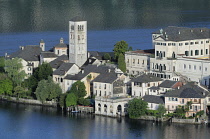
(26, 22)
(31, 122)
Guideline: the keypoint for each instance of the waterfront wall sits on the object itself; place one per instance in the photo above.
(28, 101)
(186, 121)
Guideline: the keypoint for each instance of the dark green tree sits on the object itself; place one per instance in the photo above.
(136, 108)
(161, 110)
(47, 90)
(120, 48)
(13, 67)
(200, 113)
(78, 88)
(2, 64)
(43, 71)
(6, 86)
(107, 56)
(18, 91)
(180, 112)
(71, 100)
(62, 100)
(121, 63)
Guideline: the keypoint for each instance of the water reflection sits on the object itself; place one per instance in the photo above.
(53, 15)
(23, 121)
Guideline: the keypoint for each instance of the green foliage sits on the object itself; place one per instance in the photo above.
(120, 48)
(107, 56)
(43, 71)
(31, 83)
(13, 67)
(6, 86)
(83, 101)
(71, 100)
(200, 113)
(62, 100)
(47, 90)
(78, 88)
(18, 90)
(152, 112)
(136, 108)
(180, 112)
(161, 110)
(121, 63)
(130, 49)
(2, 64)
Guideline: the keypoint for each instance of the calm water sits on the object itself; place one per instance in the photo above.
(25, 22)
(31, 122)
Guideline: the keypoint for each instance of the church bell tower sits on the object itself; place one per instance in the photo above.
(78, 41)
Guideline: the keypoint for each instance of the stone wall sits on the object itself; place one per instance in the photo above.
(29, 101)
(186, 121)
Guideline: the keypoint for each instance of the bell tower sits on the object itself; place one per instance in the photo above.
(78, 41)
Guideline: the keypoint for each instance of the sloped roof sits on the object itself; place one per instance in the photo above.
(88, 69)
(58, 61)
(106, 77)
(63, 69)
(167, 83)
(173, 33)
(188, 91)
(48, 55)
(61, 45)
(154, 99)
(145, 78)
(154, 88)
(28, 53)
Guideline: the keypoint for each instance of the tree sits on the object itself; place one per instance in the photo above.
(200, 113)
(18, 90)
(120, 48)
(107, 56)
(161, 110)
(6, 86)
(62, 100)
(187, 106)
(47, 90)
(71, 100)
(180, 112)
(121, 63)
(2, 64)
(31, 83)
(83, 101)
(136, 108)
(78, 88)
(14, 69)
(43, 71)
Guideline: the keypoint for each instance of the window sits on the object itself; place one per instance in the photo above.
(143, 62)
(187, 53)
(196, 52)
(201, 51)
(194, 67)
(29, 69)
(205, 68)
(138, 61)
(157, 53)
(206, 51)
(186, 43)
(191, 53)
(199, 67)
(173, 44)
(180, 44)
(169, 44)
(196, 42)
(189, 66)
(184, 66)
(133, 61)
(207, 41)
(191, 43)
(201, 42)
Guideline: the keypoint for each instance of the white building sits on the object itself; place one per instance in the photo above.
(138, 62)
(78, 41)
(141, 84)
